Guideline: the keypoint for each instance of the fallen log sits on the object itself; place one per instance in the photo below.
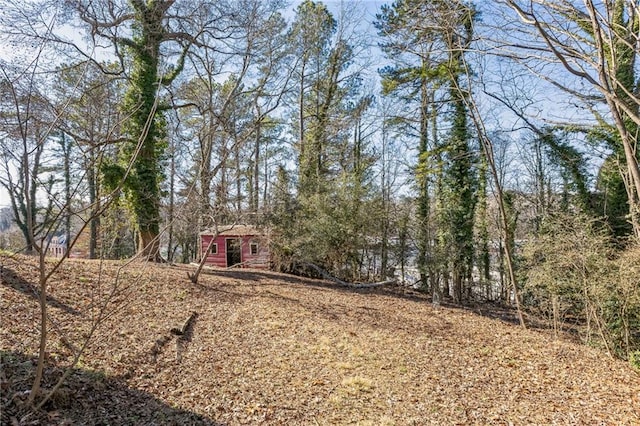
(326, 275)
(186, 326)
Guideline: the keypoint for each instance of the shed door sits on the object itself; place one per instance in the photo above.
(234, 253)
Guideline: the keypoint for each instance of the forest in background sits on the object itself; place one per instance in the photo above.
(479, 152)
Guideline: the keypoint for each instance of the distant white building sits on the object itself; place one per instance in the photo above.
(57, 246)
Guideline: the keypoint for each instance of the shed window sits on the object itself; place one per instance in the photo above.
(214, 248)
(253, 249)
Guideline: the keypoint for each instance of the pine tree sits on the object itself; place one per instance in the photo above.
(426, 39)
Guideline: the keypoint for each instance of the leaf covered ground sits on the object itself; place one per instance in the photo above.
(267, 348)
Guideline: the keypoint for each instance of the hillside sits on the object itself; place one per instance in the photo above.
(266, 348)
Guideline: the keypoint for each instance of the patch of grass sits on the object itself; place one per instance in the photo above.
(485, 351)
(336, 400)
(181, 295)
(96, 375)
(323, 345)
(356, 352)
(274, 325)
(344, 365)
(383, 421)
(356, 385)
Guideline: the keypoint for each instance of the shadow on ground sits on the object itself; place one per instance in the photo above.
(12, 280)
(86, 398)
(486, 309)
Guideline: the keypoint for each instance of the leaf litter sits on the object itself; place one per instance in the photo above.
(268, 348)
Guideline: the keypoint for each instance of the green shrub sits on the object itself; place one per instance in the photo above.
(634, 360)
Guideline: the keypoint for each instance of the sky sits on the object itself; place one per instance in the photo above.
(369, 9)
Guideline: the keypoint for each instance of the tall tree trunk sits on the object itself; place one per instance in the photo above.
(171, 207)
(422, 177)
(384, 193)
(66, 152)
(484, 258)
(255, 192)
(94, 222)
(42, 348)
(149, 242)
(303, 149)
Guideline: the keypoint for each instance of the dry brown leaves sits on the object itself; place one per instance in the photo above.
(267, 348)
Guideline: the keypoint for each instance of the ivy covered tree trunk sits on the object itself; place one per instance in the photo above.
(622, 64)
(145, 127)
(427, 40)
(461, 201)
(422, 180)
(460, 173)
(147, 25)
(415, 76)
(482, 225)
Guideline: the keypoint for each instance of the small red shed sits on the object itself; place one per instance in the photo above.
(242, 245)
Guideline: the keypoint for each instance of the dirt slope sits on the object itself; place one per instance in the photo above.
(266, 348)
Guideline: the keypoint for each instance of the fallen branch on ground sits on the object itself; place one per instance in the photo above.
(246, 263)
(186, 326)
(326, 275)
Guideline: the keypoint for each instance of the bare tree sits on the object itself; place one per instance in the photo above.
(596, 44)
(30, 120)
(230, 90)
(25, 134)
(90, 122)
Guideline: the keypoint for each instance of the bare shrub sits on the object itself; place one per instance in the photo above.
(573, 274)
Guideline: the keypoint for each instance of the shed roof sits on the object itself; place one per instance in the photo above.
(234, 230)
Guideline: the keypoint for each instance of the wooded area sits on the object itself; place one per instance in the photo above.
(476, 152)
